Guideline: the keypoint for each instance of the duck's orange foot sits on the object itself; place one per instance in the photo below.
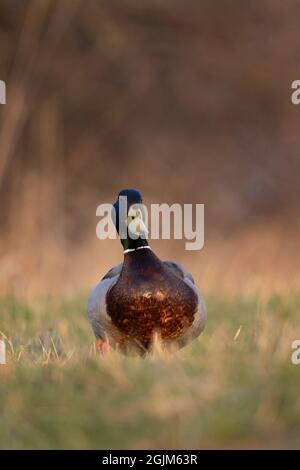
(102, 346)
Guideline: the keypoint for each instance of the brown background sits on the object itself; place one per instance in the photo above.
(185, 101)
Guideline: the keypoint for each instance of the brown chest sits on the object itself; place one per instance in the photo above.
(141, 307)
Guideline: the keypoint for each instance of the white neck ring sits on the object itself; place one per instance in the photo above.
(135, 249)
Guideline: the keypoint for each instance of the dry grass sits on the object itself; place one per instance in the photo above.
(234, 387)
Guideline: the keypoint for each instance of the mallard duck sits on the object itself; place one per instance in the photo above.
(143, 295)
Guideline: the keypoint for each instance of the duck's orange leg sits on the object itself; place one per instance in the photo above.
(102, 346)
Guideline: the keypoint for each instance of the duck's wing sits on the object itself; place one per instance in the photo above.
(179, 270)
(96, 307)
(201, 313)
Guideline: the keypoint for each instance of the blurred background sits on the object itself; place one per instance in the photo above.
(188, 102)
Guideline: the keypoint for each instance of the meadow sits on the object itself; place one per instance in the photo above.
(234, 387)
(110, 96)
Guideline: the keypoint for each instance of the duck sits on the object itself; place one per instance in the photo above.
(143, 298)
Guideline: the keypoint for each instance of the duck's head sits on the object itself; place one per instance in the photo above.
(129, 218)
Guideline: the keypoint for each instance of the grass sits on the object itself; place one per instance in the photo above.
(233, 387)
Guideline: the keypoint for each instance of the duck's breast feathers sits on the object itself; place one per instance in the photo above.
(134, 303)
(201, 313)
(96, 306)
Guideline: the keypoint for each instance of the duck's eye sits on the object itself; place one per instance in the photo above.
(133, 214)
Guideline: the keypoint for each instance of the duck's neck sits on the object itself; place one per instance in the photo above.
(142, 259)
(129, 244)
